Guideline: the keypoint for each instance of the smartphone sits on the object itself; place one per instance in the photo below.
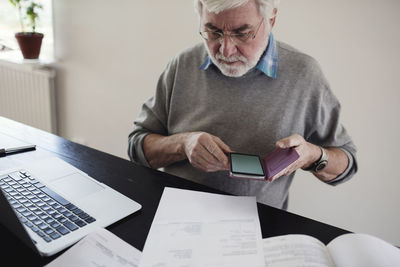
(254, 167)
(246, 166)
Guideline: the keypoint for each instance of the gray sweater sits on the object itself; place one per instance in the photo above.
(249, 114)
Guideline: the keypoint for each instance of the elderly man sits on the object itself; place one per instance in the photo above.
(241, 90)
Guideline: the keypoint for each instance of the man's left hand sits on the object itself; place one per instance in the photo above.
(308, 153)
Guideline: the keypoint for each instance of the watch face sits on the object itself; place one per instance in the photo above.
(321, 165)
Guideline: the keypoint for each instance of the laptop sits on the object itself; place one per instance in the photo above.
(49, 204)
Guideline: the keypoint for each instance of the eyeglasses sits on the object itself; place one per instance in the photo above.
(237, 38)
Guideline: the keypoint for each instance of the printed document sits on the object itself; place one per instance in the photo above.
(99, 248)
(193, 228)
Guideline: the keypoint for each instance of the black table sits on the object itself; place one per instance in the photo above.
(142, 184)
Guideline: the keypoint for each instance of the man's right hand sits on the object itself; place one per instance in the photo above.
(203, 150)
(206, 152)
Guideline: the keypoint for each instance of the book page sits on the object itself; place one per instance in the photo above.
(363, 250)
(296, 251)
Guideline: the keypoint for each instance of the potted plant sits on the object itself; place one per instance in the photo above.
(29, 42)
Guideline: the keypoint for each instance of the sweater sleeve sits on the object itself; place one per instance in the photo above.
(327, 131)
(332, 133)
(153, 117)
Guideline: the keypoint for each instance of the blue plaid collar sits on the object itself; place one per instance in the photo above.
(268, 62)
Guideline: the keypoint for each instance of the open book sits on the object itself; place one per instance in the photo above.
(346, 250)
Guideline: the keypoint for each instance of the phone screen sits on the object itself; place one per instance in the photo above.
(246, 164)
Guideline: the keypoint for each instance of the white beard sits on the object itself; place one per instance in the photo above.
(233, 70)
(236, 70)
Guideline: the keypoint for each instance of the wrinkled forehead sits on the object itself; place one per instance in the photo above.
(232, 18)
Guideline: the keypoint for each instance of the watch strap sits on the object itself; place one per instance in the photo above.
(317, 165)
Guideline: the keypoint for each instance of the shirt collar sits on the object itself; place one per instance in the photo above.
(268, 63)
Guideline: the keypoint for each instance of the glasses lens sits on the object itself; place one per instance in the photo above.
(240, 37)
(214, 35)
(211, 36)
(237, 38)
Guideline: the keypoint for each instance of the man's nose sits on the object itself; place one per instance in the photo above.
(228, 47)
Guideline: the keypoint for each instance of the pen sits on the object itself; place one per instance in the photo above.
(4, 152)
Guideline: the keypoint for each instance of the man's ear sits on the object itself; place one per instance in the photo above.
(272, 20)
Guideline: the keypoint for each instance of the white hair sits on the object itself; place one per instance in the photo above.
(265, 7)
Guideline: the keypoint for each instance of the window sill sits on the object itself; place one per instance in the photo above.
(15, 58)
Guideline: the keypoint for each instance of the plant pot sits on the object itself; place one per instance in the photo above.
(30, 44)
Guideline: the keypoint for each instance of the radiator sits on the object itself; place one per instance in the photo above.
(27, 95)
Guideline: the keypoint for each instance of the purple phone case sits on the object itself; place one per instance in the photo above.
(279, 159)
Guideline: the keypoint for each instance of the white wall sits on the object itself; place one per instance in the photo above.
(111, 54)
(357, 42)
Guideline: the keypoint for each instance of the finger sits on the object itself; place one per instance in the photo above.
(208, 153)
(202, 164)
(225, 148)
(216, 153)
(212, 168)
(204, 149)
(276, 176)
(287, 171)
(209, 161)
(291, 141)
(292, 167)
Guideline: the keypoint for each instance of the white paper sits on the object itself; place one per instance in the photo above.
(295, 251)
(100, 248)
(361, 250)
(201, 229)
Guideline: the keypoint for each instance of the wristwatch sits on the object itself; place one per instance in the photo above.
(320, 164)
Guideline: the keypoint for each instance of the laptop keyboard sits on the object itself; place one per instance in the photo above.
(47, 213)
